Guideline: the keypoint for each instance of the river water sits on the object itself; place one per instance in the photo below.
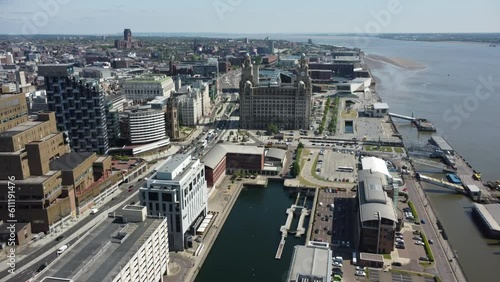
(458, 90)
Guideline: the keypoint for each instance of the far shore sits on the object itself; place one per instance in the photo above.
(375, 60)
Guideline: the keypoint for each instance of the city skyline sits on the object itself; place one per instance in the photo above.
(247, 17)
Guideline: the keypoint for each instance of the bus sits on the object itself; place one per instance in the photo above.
(345, 169)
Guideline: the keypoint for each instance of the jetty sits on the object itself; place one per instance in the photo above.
(422, 124)
(284, 231)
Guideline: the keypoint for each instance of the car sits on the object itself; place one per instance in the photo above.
(132, 203)
(399, 240)
(431, 241)
(316, 231)
(360, 268)
(416, 232)
(338, 271)
(422, 221)
(420, 243)
(423, 258)
(398, 246)
(360, 273)
(41, 267)
(60, 238)
(399, 234)
(396, 263)
(94, 211)
(418, 238)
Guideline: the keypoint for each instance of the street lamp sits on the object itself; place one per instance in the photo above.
(377, 216)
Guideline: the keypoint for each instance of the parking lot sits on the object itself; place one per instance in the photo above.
(381, 276)
(330, 164)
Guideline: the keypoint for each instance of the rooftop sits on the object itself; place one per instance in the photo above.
(309, 263)
(490, 213)
(376, 165)
(442, 143)
(69, 161)
(214, 156)
(20, 129)
(372, 197)
(104, 265)
(149, 79)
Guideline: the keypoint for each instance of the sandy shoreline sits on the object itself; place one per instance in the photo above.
(376, 61)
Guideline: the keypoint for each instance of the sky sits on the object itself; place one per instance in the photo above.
(101, 17)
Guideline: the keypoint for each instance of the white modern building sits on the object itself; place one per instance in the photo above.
(137, 252)
(144, 125)
(178, 191)
(147, 87)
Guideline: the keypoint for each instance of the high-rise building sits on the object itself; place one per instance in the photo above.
(275, 97)
(177, 191)
(26, 152)
(271, 46)
(189, 103)
(144, 125)
(80, 108)
(148, 87)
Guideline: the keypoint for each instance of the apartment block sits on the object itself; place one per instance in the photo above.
(79, 105)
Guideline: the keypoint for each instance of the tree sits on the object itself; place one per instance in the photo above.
(272, 128)
(300, 145)
(231, 133)
(295, 169)
(258, 133)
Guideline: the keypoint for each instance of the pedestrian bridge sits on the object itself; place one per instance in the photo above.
(442, 183)
(402, 117)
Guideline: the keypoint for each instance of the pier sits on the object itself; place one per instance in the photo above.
(442, 183)
(284, 231)
(422, 124)
(300, 227)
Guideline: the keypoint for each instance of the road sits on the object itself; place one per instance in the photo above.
(40, 254)
(445, 268)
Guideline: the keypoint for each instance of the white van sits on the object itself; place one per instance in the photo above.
(62, 249)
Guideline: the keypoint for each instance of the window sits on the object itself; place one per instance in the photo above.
(153, 196)
(166, 197)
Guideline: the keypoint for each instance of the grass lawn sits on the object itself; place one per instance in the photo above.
(398, 150)
(352, 114)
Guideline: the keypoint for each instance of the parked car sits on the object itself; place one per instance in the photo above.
(420, 243)
(360, 273)
(422, 221)
(424, 258)
(417, 238)
(431, 241)
(396, 263)
(59, 238)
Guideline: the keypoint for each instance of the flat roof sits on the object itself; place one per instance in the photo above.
(107, 264)
(310, 263)
(20, 128)
(380, 106)
(214, 156)
(276, 153)
(173, 163)
(442, 143)
(69, 161)
(490, 213)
